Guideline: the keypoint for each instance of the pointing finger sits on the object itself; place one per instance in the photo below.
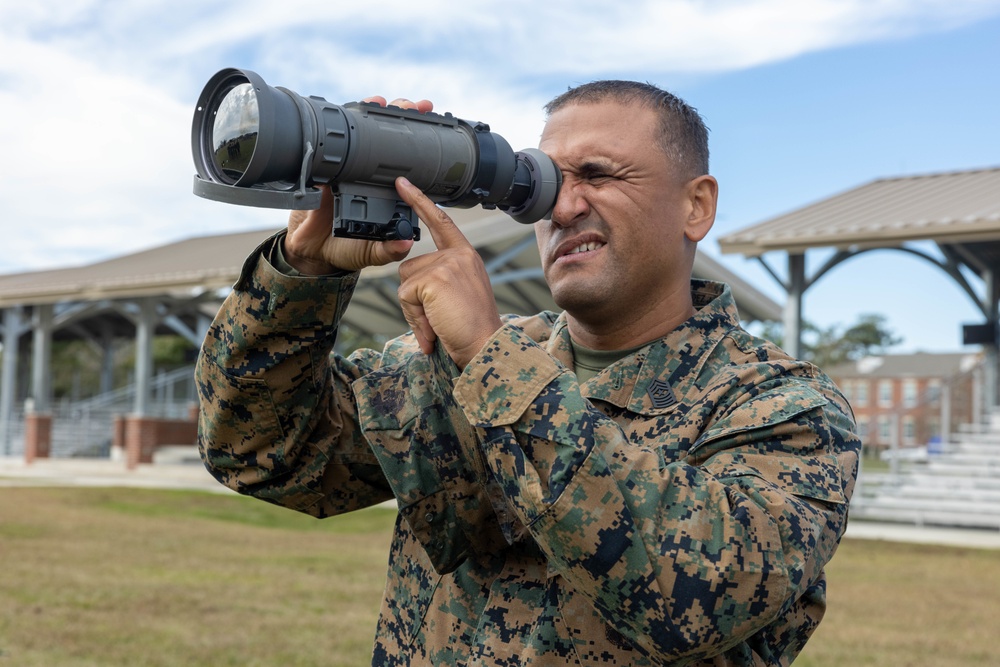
(444, 231)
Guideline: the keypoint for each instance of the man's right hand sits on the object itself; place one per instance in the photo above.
(312, 249)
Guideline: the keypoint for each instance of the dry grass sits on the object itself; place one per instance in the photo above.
(126, 577)
(904, 605)
(107, 577)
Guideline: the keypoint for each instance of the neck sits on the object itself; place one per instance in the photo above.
(622, 331)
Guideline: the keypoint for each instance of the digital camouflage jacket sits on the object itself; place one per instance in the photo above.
(678, 508)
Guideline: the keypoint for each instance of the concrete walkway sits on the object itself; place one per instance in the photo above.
(106, 472)
(902, 532)
(193, 476)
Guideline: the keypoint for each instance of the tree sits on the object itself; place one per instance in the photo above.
(870, 336)
(831, 346)
(77, 364)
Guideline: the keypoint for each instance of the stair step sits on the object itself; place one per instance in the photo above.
(927, 517)
(957, 483)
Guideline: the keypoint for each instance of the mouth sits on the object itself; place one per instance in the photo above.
(578, 248)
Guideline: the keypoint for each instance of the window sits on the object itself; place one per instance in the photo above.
(863, 427)
(861, 393)
(909, 393)
(934, 390)
(909, 431)
(847, 386)
(884, 429)
(885, 393)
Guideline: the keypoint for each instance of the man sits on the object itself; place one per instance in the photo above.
(636, 481)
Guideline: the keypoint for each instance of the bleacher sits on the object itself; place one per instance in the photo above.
(956, 484)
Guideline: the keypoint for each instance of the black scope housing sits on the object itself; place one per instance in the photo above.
(255, 145)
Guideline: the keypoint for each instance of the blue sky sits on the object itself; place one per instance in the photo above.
(804, 98)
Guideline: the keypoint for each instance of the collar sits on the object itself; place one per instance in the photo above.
(649, 380)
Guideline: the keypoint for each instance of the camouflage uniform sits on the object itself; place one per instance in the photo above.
(678, 506)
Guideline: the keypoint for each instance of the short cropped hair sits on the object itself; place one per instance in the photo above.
(683, 134)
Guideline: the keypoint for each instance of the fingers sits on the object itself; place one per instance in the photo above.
(423, 106)
(416, 317)
(444, 231)
(447, 298)
(314, 223)
(311, 248)
(308, 232)
(392, 251)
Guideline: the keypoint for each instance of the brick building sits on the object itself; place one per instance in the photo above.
(909, 399)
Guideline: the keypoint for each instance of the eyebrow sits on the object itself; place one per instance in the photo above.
(591, 166)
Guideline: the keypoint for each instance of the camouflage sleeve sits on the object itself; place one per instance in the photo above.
(685, 558)
(430, 454)
(278, 417)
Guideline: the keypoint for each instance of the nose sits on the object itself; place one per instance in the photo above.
(571, 206)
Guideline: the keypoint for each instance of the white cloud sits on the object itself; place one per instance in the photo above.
(97, 163)
(97, 95)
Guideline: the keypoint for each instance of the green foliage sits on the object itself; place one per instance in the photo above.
(833, 345)
(170, 352)
(77, 364)
(869, 336)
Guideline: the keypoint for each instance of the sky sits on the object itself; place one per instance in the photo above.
(804, 99)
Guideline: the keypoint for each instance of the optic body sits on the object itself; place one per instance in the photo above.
(256, 145)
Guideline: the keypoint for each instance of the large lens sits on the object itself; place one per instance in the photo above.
(234, 131)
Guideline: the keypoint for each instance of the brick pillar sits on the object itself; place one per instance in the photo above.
(140, 440)
(143, 435)
(118, 438)
(37, 436)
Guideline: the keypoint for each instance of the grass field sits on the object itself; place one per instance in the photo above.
(108, 577)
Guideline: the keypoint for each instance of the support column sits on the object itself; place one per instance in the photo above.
(145, 324)
(792, 323)
(107, 346)
(41, 359)
(38, 421)
(991, 366)
(8, 377)
(140, 428)
(946, 413)
(977, 396)
(202, 324)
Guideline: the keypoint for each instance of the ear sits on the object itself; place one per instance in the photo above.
(703, 199)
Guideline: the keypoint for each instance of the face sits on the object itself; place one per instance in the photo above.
(622, 235)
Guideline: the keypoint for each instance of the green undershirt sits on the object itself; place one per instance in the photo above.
(587, 363)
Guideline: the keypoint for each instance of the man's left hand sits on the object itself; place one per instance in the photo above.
(446, 295)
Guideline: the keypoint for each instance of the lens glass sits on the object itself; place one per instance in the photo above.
(234, 132)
